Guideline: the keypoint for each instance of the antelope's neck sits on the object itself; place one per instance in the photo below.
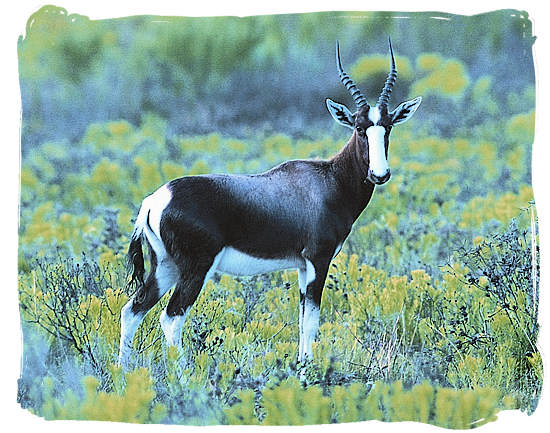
(350, 172)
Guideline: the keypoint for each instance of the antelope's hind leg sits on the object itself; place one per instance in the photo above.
(193, 276)
(162, 278)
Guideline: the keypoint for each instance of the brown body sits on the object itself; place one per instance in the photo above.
(296, 215)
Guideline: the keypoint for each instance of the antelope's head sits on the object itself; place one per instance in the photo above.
(372, 124)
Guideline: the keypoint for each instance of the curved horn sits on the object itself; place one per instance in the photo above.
(390, 81)
(358, 97)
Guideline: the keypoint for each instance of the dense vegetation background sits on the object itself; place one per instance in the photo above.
(434, 296)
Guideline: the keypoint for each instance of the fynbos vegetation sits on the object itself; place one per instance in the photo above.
(429, 313)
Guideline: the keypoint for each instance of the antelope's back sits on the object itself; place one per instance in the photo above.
(272, 214)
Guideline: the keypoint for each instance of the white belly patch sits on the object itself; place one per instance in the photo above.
(235, 262)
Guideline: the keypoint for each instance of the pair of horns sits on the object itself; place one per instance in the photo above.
(358, 97)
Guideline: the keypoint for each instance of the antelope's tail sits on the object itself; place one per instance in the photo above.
(136, 264)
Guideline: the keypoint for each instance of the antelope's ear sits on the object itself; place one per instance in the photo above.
(405, 110)
(340, 113)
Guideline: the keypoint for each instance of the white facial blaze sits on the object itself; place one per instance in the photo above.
(378, 163)
(374, 115)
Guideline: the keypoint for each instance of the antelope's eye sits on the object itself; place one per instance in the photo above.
(359, 130)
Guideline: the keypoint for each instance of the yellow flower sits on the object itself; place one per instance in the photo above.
(449, 80)
(428, 61)
(367, 66)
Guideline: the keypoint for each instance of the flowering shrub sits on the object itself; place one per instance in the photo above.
(290, 404)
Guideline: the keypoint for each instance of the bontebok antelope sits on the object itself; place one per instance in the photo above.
(294, 216)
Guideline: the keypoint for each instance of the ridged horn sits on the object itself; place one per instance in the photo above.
(384, 98)
(358, 97)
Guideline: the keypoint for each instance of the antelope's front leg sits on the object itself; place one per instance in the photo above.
(311, 280)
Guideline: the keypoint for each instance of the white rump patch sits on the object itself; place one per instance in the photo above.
(157, 202)
(235, 262)
(153, 205)
(378, 163)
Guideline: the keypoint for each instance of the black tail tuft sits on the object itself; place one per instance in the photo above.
(135, 260)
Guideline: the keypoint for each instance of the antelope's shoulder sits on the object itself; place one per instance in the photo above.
(299, 168)
(203, 184)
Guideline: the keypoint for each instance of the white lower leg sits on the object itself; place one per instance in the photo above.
(172, 327)
(310, 327)
(302, 281)
(129, 322)
(305, 277)
(301, 334)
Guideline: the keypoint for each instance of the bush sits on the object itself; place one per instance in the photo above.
(290, 404)
(504, 269)
(134, 403)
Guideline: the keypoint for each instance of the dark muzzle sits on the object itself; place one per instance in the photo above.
(378, 180)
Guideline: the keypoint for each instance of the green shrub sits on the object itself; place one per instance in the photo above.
(290, 404)
(134, 403)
